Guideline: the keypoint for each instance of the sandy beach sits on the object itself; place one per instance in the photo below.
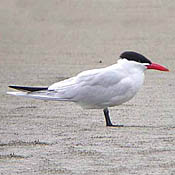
(42, 42)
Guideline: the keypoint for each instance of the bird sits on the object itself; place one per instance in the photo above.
(97, 88)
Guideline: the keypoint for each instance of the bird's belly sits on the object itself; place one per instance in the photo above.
(118, 100)
(101, 101)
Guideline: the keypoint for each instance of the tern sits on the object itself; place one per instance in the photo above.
(97, 88)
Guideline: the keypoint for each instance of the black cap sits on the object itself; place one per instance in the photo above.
(134, 56)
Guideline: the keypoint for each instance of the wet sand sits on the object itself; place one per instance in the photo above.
(46, 41)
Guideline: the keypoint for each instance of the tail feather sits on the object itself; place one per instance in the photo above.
(28, 89)
(41, 93)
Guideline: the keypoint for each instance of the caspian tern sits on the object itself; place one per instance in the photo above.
(98, 88)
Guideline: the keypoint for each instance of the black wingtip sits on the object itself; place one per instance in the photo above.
(26, 88)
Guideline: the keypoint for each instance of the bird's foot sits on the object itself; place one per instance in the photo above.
(111, 125)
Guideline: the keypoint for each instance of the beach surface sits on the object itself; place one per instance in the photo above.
(42, 42)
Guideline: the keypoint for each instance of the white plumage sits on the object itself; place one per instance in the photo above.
(97, 88)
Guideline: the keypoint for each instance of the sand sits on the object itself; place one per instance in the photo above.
(42, 42)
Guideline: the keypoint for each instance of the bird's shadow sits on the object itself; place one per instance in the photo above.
(141, 126)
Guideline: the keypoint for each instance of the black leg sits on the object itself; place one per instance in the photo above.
(107, 118)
